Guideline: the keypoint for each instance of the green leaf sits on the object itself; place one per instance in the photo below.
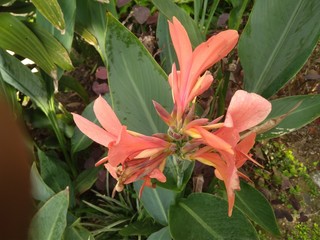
(305, 113)
(276, 42)
(135, 80)
(86, 179)
(69, 11)
(40, 190)
(144, 228)
(15, 36)
(20, 77)
(51, 219)
(51, 10)
(77, 232)
(53, 173)
(4, 1)
(168, 55)
(91, 21)
(73, 84)
(79, 141)
(204, 216)
(156, 201)
(235, 18)
(253, 204)
(170, 10)
(162, 234)
(58, 53)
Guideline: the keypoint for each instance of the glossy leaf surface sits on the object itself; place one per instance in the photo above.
(306, 112)
(276, 42)
(203, 216)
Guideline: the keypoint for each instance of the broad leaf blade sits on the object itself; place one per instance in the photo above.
(156, 201)
(51, 10)
(15, 36)
(69, 11)
(305, 113)
(162, 234)
(170, 10)
(58, 53)
(276, 42)
(19, 76)
(40, 190)
(204, 216)
(86, 179)
(53, 173)
(135, 80)
(253, 204)
(51, 219)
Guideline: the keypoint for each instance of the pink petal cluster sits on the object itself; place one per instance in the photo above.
(133, 156)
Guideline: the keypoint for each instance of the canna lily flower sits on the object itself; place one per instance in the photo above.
(132, 156)
(224, 150)
(187, 83)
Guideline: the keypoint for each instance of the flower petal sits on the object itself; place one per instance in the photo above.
(182, 46)
(210, 52)
(93, 131)
(246, 110)
(214, 141)
(106, 116)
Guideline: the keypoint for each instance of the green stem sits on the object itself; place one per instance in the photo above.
(178, 169)
(212, 11)
(60, 136)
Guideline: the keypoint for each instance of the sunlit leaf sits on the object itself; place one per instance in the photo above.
(51, 10)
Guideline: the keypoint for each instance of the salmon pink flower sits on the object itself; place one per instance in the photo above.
(132, 156)
(224, 150)
(186, 83)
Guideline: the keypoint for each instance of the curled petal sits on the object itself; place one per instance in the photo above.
(246, 110)
(210, 52)
(214, 141)
(202, 84)
(165, 116)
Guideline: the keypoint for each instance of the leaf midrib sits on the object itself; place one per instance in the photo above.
(277, 47)
(200, 221)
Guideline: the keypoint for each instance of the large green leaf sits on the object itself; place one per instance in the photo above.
(69, 11)
(40, 190)
(156, 201)
(170, 10)
(135, 80)
(53, 172)
(167, 54)
(162, 234)
(58, 53)
(277, 41)
(51, 219)
(51, 10)
(15, 36)
(253, 204)
(306, 112)
(204, 216)
(19, 76)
